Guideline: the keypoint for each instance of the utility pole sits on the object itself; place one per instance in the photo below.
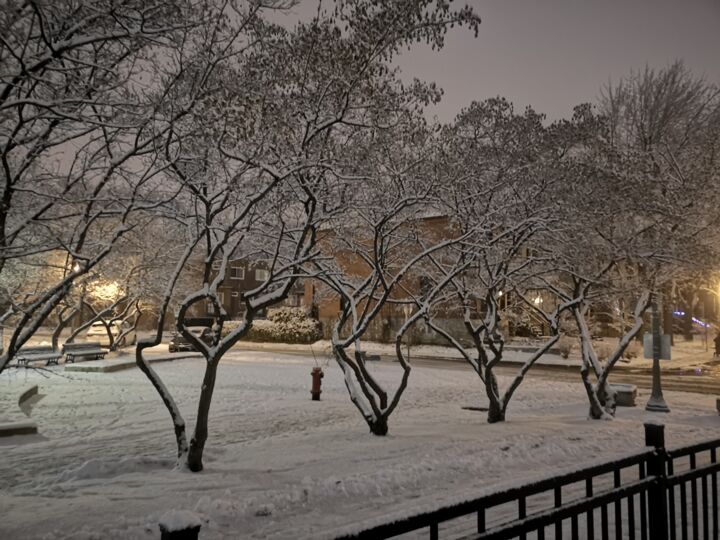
(656, 403)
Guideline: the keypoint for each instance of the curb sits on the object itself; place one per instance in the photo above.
(115, 364)
(18, 428)
(619, 367)
(422, 358)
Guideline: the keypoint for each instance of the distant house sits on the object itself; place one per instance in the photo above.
(241, 276)
(324, 304)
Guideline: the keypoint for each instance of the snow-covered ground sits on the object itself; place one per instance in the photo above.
(279, 465)
(685, 354)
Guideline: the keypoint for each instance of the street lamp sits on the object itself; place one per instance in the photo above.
(656, 403)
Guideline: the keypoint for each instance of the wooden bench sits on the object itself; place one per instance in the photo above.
(37, 354)
(90, 350)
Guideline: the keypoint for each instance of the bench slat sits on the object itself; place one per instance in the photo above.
(36, 350)
(38, 354)
(83, 350)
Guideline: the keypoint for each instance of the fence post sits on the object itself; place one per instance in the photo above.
(657, 500)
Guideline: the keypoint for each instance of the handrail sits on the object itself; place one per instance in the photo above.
(445, 513)
(693, 474)
(693, 449)
(551, 516)
(657, 508)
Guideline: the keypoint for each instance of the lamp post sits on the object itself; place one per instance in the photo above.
(656, 403)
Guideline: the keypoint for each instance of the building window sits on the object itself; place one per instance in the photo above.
(237, 272)
(261, 274)
(216, 265)
(211, 310)
(234, 294)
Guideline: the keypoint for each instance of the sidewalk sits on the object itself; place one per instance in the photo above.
(685, 355)
(124, 361)
(513, 354)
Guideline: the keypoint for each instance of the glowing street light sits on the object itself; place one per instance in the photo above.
(538, 300)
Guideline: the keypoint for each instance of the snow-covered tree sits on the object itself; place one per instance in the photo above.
(633, 218)
(372, 253)
(500, 187)
(263, 167)
(88, 93)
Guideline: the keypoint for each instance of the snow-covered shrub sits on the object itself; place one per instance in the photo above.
(283, 325)
(526, 330)
(565, 345)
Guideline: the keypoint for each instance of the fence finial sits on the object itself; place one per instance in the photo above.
(654, 434)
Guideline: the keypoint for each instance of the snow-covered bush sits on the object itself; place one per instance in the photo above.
(283, 325)
(565, 345)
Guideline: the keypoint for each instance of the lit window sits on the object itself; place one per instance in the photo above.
(261, 274)
(237, 272)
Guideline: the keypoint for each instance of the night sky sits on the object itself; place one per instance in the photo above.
(554, 54)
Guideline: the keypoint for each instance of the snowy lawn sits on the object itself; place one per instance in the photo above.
(279, 465)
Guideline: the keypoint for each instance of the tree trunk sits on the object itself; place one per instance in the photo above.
(175, 415)
(688, 324)
(197, 444)
(496, 410)
(62, 323)
(667, 317)
(596, 409)
(121, 338)
(607, 397)
(379, 426)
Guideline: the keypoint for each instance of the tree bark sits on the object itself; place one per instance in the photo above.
(596, 411)
(177, 419)
(607, 397)
(197, 444)
(496, 410)
(379, 426)
(62, 323)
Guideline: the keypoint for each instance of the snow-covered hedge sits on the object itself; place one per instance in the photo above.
(283, 325)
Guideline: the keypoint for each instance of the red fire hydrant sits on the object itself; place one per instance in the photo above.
(317, 375)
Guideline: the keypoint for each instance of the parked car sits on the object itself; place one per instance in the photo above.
(97, 332)
(179, 343)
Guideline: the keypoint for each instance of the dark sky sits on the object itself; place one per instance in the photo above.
(554, 54)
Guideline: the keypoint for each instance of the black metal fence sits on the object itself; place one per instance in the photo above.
(653, 495)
